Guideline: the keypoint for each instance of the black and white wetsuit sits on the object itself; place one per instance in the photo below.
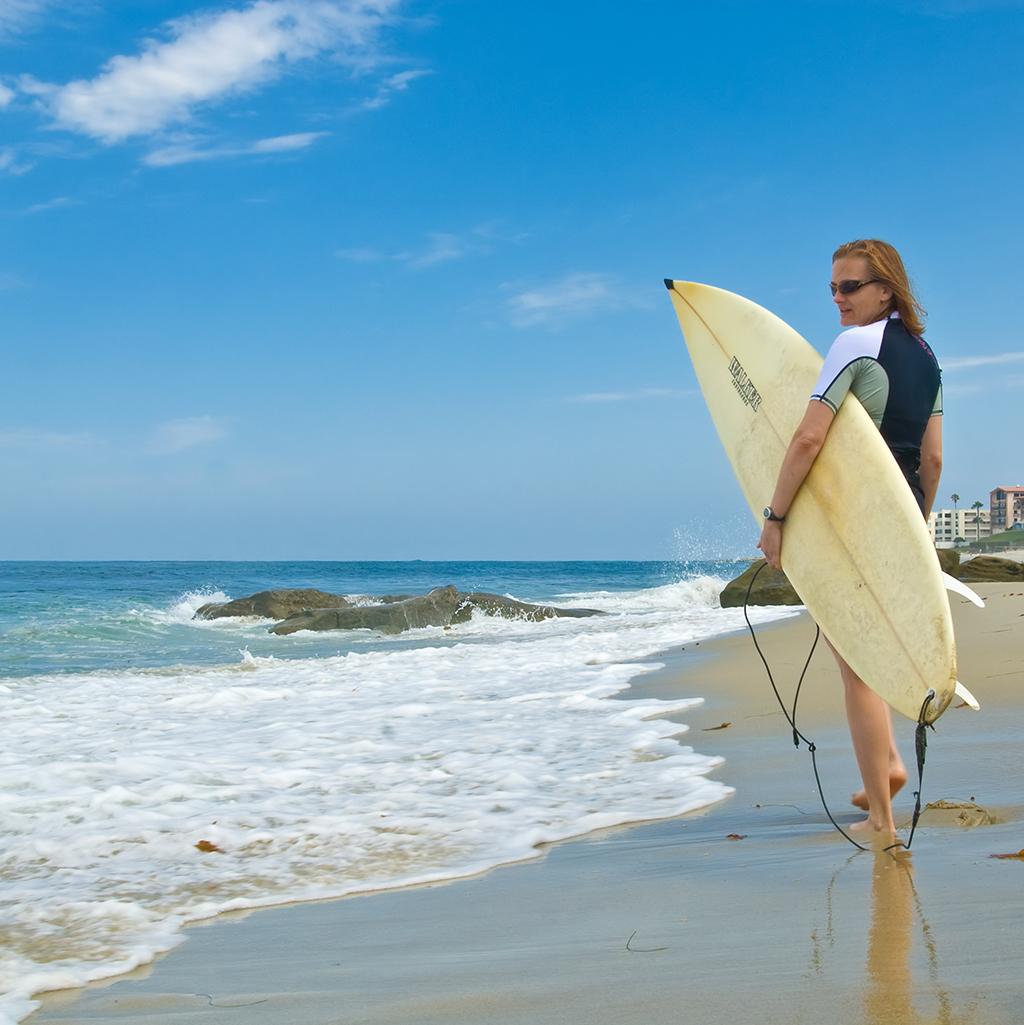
(897, 379)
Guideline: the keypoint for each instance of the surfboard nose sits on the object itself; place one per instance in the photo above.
(683, 288)
(683, 297)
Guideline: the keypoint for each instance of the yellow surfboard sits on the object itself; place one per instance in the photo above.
(855, 546)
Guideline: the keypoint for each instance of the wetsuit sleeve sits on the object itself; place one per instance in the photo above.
(833, 389)
(937, 408)
(853, 354)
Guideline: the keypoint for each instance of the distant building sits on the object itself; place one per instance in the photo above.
(1006, 506)
(946, 525)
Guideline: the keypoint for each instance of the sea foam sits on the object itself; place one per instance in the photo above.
(136, 801)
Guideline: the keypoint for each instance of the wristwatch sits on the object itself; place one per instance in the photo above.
(769, 514)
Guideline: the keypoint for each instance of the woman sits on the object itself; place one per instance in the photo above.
(882, 359)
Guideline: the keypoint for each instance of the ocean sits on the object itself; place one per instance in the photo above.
(158, 770)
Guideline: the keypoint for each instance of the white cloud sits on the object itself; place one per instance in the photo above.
(440, 247)
(963, 362)
(573, 296)
(179, 435)
(189, 152)
(6, 96)
(31, 438)
(211, 56)
(390, 86)
(17, 15)
(286, 143)
(10, 163)
(631, 396)
(50, 204)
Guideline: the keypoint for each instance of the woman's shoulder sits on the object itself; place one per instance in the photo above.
(926, 347)
(854, 342)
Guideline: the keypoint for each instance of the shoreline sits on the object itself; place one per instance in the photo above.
(636, 666)
(325, 831)
(775, 808)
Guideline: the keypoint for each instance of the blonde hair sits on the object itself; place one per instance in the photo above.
(885, 265)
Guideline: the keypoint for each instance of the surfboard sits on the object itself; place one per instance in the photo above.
(855, 546)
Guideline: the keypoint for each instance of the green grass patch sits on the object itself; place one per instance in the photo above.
(1006, 539)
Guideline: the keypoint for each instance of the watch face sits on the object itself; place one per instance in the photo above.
(767, 512)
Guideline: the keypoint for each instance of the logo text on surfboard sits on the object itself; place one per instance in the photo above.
(743, 385)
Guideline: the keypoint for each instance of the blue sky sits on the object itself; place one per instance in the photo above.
(349, 279)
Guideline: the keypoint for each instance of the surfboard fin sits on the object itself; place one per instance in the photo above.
(966, 696)
(959, 587)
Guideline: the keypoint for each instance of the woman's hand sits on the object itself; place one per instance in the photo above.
(771, 543)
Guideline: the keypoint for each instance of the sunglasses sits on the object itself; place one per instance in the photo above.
(849, 287)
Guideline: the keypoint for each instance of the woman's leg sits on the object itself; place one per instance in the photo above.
(897, 771)
(871, 732)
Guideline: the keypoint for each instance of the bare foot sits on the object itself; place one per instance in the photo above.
(873, 833)
(897, 781)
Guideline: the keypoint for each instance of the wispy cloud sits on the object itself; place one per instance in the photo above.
(10, 162)
(631, 396)
(208, 57)
(442, 247)
(999, 359)
(18, 15)
(439, 247)
(949, 390)
(165, 439)
(187, 152)
(33, 438)
(575, 295)
(179, 435)
(51, 204)
(392, 85)
(6, 96)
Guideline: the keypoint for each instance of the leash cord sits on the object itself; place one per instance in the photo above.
(791, 719)
(920, 734)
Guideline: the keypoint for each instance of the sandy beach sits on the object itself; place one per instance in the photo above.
(674, 921)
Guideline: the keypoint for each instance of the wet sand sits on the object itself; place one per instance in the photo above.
(673, 921)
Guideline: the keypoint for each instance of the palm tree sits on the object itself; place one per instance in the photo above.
(956, 498)
(977, 520)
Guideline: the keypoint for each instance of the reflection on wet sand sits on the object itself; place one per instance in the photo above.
(895, 906)
(889, 994)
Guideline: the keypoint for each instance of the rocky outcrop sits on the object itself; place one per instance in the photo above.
(771, 588)
(309, 609)
(990, 569)
(272, 604)
(444, 606)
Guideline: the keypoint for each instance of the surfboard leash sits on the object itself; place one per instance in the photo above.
(791, 718)
(920, 749)
(920, 738)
